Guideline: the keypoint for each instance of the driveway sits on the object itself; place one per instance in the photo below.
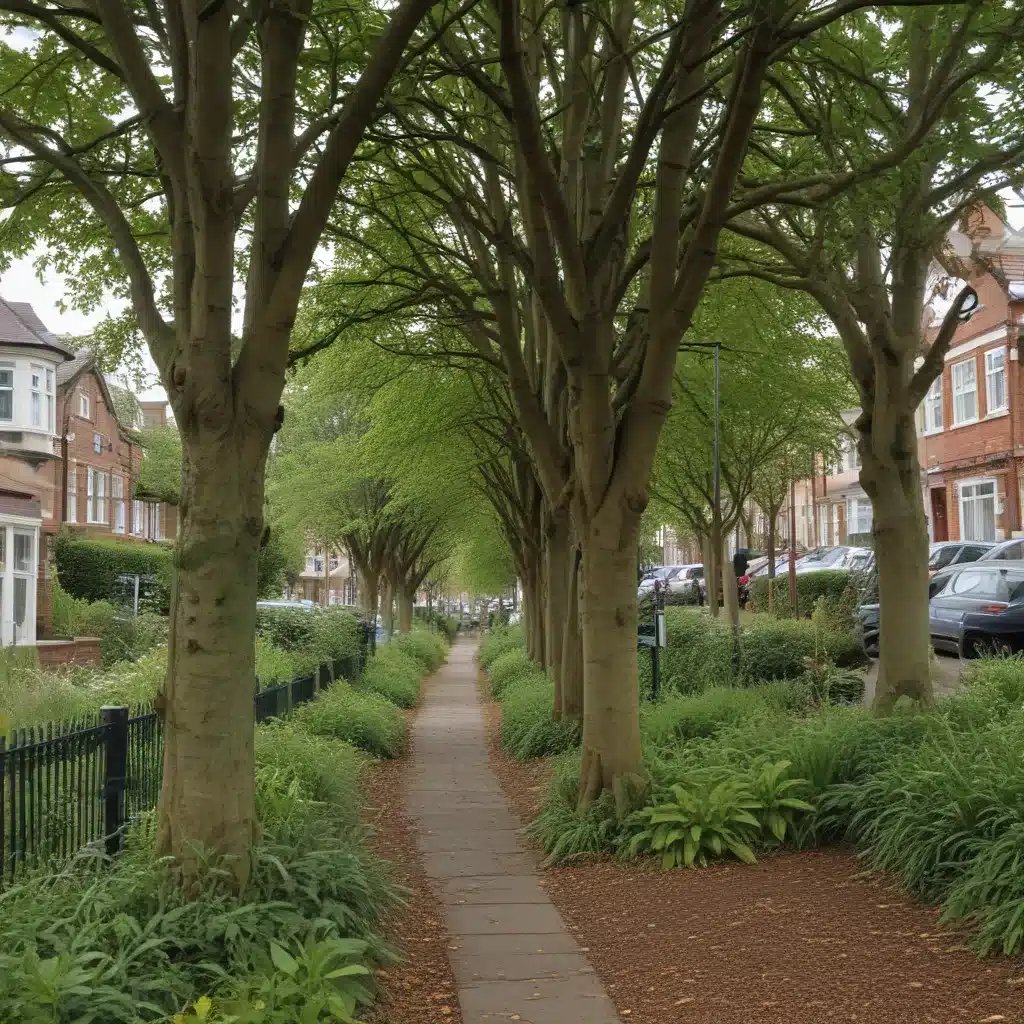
(945, 677)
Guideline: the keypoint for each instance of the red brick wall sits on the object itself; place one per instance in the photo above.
(83, 651)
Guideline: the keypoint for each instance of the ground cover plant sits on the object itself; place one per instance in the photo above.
(934, 797)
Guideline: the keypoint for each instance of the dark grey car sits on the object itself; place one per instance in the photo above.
(970, 596)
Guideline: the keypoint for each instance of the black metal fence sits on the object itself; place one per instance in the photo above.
(65, 787)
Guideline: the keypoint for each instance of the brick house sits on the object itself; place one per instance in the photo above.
(971, 438)
(338, 583)
(65, 458)
(100, 459)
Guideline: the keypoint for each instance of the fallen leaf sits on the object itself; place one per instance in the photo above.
(992, 1019)
(917, 984)
(685, 1000)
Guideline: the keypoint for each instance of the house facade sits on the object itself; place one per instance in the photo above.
(334, 583)
(971, 438)
(65, 458)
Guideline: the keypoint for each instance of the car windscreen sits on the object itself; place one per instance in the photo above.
(831, 557)
(941, 557)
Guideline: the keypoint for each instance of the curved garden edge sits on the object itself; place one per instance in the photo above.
(813, 936)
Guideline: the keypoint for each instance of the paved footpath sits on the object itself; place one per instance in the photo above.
(513, 957)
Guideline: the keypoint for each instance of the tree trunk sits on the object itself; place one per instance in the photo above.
(207, 798)
(572, 647)
(388, 608)
(406, 602)
(771, 563)
(556, 580)
(901, 553)
(612, 759)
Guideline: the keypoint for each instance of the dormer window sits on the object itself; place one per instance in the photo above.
(83, 405)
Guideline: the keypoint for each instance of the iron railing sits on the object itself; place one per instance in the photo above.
(64, 787)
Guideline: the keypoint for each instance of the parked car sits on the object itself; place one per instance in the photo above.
(831, 558)
(686, 580)
(781, 566)
(859, 560)
(1005, 551)
(663, 574)
(955, 552)
(868, 627)
(980, 608)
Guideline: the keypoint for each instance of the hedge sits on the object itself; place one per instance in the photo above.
(89, 569)
(700, 650)
(322, 633)
(830, 583)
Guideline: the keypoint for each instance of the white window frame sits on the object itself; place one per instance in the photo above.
(84, 405)
(37, 382)
(930, 410)
(9, 525)
(96, 512)
(993, 407)
(117, 500)
(982, 481)
(51, 404)
(851, 456)
(961, 390)
(12, 369)
(138, 518)
(853, 514)
(71, 510)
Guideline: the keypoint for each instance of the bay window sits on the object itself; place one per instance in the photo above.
(138, 526)
(19, 539)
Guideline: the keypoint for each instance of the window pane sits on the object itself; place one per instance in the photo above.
(22, 551)
(20, 609)
(3, 548)
(37, 409)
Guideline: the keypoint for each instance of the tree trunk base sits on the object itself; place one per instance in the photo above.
(596, 777)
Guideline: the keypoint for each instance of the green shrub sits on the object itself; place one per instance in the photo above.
(508, 669)
(700, 650)
(527, 728)
(89, 569)
(810, 586)
(122, 637)
(679, 717)
(327, 770)
(366, 720)
(499, 640)
(428, 648)
(320, 634)
(119, 943)
(394, 675)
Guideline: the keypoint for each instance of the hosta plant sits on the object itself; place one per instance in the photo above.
(699, 822)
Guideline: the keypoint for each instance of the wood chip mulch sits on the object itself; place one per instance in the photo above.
(420, 989)
(799, 938)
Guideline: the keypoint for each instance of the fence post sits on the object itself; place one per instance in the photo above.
(116, 743)
(288, 696)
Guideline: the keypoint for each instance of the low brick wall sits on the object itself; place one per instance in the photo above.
(83, 651)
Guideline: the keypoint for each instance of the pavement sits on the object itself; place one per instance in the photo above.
(513, 956)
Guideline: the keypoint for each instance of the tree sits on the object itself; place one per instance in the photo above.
(865, 254)
(159, 476)
(564, 216)
(783, 385)
(172, 152)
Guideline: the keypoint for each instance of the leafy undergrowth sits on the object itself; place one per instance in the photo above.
(117, 943)
(366, 720)
(935, 797)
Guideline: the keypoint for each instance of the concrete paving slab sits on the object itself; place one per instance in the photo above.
(513, 957)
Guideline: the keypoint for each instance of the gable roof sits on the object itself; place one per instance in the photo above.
(19, 325)
(83, 362)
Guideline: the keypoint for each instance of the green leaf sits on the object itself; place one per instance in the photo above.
(283, 960)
